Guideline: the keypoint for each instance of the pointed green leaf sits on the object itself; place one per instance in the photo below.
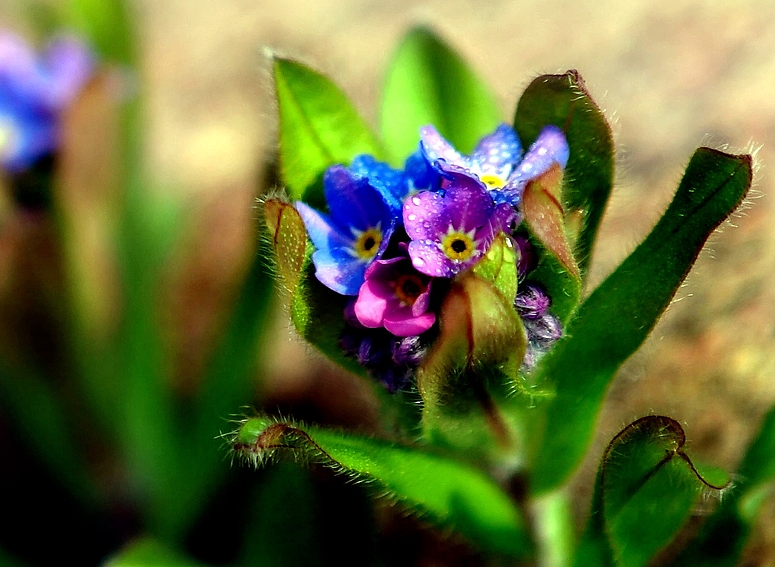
(564, 101)
(612, 323)
(428, 83)
(646, 490)
(444, 491)
(319, 127)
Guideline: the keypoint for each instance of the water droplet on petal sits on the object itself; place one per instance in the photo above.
(412, 217)
(416, 201)
(527, 166)
(542, 151)
(418, 262)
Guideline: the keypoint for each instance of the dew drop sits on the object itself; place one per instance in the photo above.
(527, 166)
(542, 151)
(418, 262)
(416, 201)
(412, 217)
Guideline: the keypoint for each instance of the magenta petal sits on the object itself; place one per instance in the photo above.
(423, 301)
(372, 303)
(402, 323)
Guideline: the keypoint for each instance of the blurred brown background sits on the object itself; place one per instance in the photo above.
(670, 74)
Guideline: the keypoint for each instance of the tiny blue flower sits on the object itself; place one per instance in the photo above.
(34, 90)
(497, 160)
(355, 233)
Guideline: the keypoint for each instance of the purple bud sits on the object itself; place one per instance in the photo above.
(408, 351)
(532, 302)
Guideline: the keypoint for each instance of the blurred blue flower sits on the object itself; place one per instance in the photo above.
(34, 90)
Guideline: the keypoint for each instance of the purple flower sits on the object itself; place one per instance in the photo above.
(33, 93)
(497, 160)
(453, 229)
(354, 233)
(395, 296)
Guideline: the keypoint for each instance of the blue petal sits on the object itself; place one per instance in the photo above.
(352, 202)
(340, 274)
(420, 173)
(549, 148)
(323, 233)
(497, 153)
(436, 148)
(391, 183)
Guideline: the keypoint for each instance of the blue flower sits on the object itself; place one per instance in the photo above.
(355, 233)
(497, 161)
(34, 90)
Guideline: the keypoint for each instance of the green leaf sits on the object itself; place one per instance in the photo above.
(499, 266)
(428, 83)
(646, 490)
(618, 316)
(446, 492)
(724, 535)
(106, 23)
(319, 127)
(564, 101)
(150, 553)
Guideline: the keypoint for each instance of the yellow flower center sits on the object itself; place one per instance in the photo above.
(409, 287)
(368, 242)
(492, 181)
(458, 246)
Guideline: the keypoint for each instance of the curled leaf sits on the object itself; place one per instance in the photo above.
(563, 100)
(646, 490)
(444, 491)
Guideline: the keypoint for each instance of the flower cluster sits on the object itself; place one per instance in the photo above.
(34, 90)
(393, 239)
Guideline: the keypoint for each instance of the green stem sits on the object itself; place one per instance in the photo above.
(555, 533)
